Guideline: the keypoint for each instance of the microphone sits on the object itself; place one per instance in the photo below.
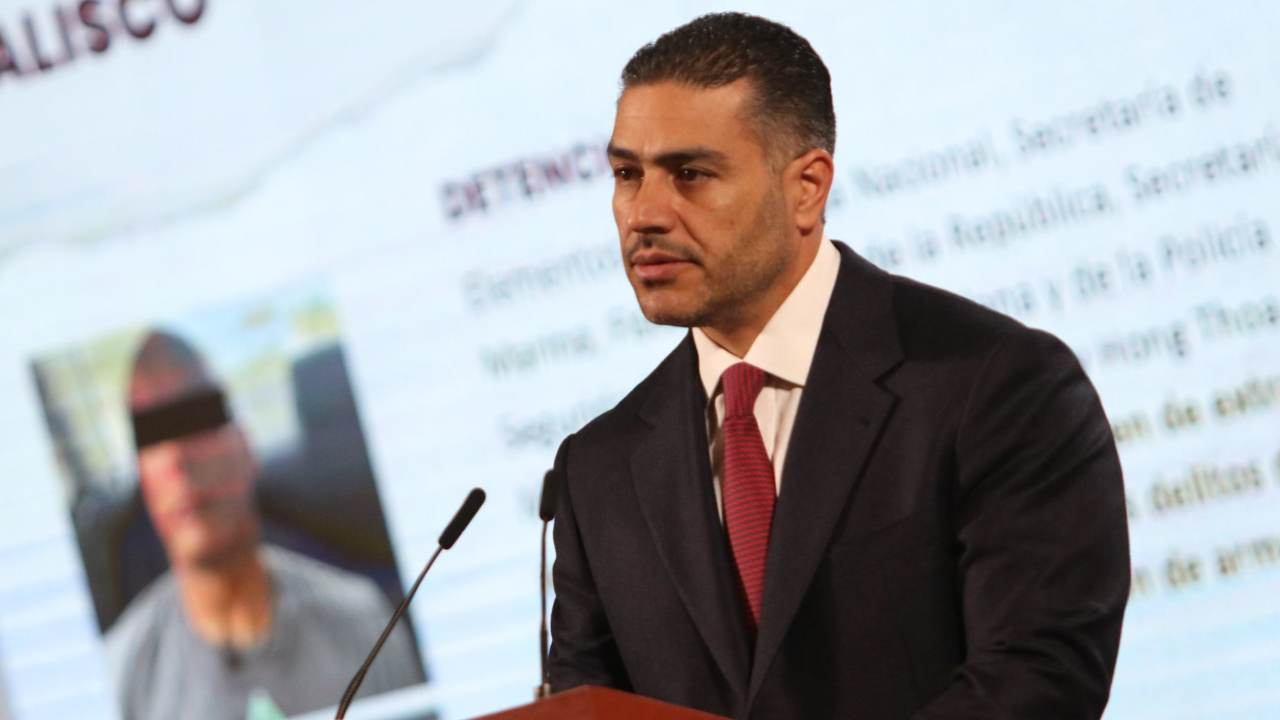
(550, 491)
(460, 520)
(470, 506)
(547, 512)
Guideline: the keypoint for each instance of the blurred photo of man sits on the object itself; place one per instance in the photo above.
(233, 619)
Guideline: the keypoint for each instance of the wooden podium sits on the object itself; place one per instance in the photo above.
(596, 703)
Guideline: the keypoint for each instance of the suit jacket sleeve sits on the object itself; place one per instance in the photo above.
(1039, 518)
(583, 650)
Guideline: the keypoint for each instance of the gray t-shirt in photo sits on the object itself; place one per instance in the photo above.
(325, 621)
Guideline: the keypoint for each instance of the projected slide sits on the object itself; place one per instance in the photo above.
(386, 229)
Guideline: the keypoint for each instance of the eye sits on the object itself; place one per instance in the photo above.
(624, 173)
(688, 175)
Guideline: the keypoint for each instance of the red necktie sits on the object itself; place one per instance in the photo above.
(748, 489)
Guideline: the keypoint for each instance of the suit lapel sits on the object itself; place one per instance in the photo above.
(672, 474)
(840, 416)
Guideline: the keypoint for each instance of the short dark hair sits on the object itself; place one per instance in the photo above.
(165, 351)
(791, 83)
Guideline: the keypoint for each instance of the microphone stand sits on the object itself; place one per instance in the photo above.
(547, 513)
(543, 690)
(354, 685)
(447, 538)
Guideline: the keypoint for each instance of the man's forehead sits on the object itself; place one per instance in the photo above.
(657, 118)
(160, 385)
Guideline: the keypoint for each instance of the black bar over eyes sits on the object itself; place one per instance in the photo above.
(185, 416)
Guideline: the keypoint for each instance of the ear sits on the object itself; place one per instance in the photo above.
(808, 181)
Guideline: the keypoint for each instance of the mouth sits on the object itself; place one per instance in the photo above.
(189, 512)
(199, 508)
(658, 265)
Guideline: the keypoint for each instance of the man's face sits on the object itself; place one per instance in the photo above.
(700, 209)
(197, 488)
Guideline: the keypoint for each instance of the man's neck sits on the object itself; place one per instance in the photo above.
(230, 605)
(738, 332)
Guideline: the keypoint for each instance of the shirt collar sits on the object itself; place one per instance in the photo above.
(785, 347)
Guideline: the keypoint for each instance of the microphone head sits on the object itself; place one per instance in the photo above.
(550, 491)
(462, 518)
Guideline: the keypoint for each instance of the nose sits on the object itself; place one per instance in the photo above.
(185, 459)
(651, 208)
(164, 465)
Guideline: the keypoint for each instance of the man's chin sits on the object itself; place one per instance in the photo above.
(210, 555)
(665, 307)
(672, 318)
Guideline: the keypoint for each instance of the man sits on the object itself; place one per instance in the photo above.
(233, 622)
(844, 494)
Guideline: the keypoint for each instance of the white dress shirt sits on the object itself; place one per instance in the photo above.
(784, 350)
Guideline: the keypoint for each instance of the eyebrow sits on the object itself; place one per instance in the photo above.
(671, 158)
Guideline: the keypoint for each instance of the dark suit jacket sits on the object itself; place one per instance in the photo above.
(950, 540)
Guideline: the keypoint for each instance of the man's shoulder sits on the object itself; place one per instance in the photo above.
(318, 586)
(338, 613)
(133, 639)
(934, 331)
(929, 316)
(932, 323)
(946, 335)
(158, 597)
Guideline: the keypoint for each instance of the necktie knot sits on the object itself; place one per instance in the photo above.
(742, 384)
